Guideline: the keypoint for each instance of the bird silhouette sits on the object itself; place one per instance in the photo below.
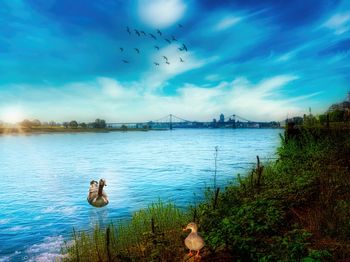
(157, 64)
(181, 60)
(156, 47)
(173, 38)
(125, 61)
(165, 58)
(180, 25)
(121, 49)
(137, 32)
(184, 47)
(137, 50)
(166, 39)
(128, 30)
(167, 62)
(143, 32)
(153, 36)
(159, 32)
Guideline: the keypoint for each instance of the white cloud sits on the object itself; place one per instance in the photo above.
(340, 23)
(161, 13)
(108, 99)
(113, 89)
(227, 22)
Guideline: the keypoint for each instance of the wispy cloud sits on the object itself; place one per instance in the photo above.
(339, 22)
(227, 22)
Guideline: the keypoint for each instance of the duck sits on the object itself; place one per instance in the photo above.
(97, 197)
(193, 241)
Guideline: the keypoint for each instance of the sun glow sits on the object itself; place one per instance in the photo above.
(12, 115)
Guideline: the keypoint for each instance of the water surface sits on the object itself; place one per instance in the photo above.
(45, 178)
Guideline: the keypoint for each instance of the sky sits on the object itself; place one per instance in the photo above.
(263, 60)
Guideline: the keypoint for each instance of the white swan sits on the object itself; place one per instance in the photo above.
(97, 197)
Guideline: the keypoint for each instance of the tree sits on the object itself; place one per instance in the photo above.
(83, 125)
(322, 118)
(26, 123)
(73, 124)
(99, 123)
(336, 116)
(36, 122)
(65, 124)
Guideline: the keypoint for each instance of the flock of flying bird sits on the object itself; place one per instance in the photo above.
(156, 36)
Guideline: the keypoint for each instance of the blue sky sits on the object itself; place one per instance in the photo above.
(263, 60)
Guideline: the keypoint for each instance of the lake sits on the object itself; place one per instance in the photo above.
(45, 178)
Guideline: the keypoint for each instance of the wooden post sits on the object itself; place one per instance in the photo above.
(259, 170)
(153, 226)
(108, 230)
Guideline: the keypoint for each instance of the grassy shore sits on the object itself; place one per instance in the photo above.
(294, 209)
(48, 129)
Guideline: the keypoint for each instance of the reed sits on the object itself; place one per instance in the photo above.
(154, 233)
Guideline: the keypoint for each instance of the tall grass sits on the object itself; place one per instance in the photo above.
(152, 234)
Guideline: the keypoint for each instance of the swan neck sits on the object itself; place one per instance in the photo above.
(100, 188)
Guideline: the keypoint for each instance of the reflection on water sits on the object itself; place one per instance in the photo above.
(46, 178)
(99, 216)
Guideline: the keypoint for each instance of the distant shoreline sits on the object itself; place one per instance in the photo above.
(62, 130)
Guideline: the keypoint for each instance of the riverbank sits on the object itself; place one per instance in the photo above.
(294, 209)
(53, 130)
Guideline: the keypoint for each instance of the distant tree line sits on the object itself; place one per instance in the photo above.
(340, 116)
(98, 123)
(335, 116)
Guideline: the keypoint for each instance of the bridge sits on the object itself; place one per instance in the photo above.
(172, 121)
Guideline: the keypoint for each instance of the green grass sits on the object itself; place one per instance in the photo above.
(294, 209)
(153, 234)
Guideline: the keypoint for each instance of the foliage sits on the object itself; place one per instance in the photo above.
(99, 123)
(73, 124)
(336, 116)
(28, 124)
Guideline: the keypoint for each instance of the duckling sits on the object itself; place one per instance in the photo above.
(193, 241)
(97, 197)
